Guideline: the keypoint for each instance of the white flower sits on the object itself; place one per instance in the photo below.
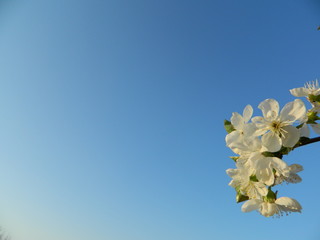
(247, 147)
(290, 175)
(304, 130)
(278, 207)
(243, 129)
(276, 129)
(241, 181)
(263, 167)
(310, 88)
(252, 159)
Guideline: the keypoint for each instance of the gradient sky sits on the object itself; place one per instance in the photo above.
(112, 115)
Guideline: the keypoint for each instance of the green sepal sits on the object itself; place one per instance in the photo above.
(234, 158)
(314, 98)
(268, 154)
(228, 126)
(279, 154)
(254, 178)
(273, 154)
(300, 125)
(271, 196)
(241, 198)
(312, 117)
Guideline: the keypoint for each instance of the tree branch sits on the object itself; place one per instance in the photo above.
(307, 141)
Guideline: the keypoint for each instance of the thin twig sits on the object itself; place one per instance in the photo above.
(306, 142)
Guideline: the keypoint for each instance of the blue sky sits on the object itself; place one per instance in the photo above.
(112, 115)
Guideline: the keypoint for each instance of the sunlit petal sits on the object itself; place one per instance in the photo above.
(271, 141)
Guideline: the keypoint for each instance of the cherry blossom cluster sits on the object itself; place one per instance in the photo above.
(260, 143)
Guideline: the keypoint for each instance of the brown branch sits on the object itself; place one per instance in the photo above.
(308, 141)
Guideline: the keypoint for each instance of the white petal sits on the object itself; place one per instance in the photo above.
(234, 183)
(255, 190)
(263, 191)
(268, 209)
(249, 130)
(316, 128)
(250, 205)
(233, 138)
(293, 111)
(260, 132)
(247, 113)
(290, 204)
(237, 121)
(258, 120)
(232, 172)
(254, 144)
(291, 136)
(295, 168)
(269, 108)
(315, 107)
(266, 176)
(305, 131)
(271, 141)
(293, 178)
(255, 156)
(278, 164)
(299, 92)
(236, 150)
(316, 92)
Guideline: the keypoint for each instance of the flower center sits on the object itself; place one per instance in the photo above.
(275, 125)
(277, 128)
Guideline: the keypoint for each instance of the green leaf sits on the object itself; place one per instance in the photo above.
(234, 158)
(228, 126)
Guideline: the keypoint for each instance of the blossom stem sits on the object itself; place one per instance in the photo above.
(308, 141)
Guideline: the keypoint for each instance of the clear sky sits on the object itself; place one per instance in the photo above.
(112, 115)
